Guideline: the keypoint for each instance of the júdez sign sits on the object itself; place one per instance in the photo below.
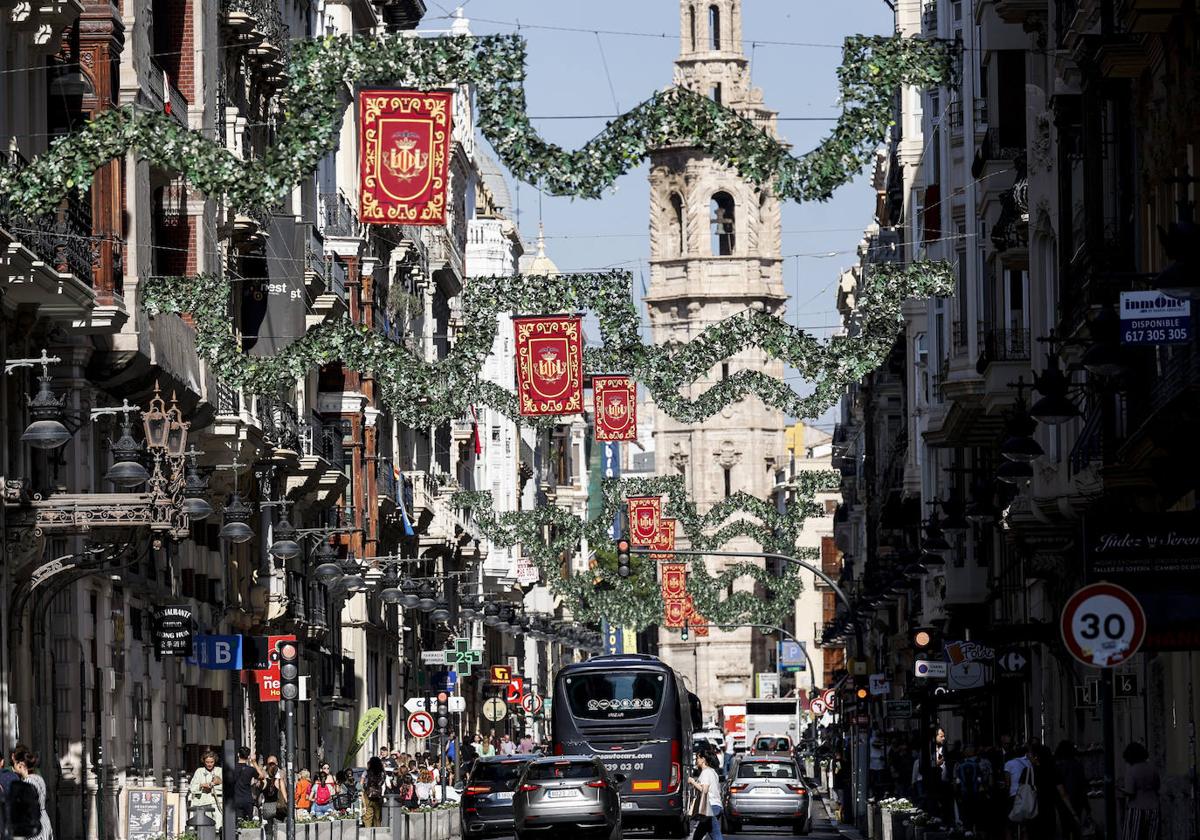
(1149, 318)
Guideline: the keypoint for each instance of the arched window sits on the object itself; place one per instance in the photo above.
(678, 231)
(723, 224)
(714, 26)
(692, 26)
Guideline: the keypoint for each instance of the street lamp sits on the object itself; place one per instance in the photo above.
(46, 431)
(195, 491)
(441, 610)
(1054, 408)
(410, 596)
(236, 516)
(285, 546)
(351, 578)
(327, 569)
(127, 470)
(164, 427)
(425, 600)
(390, 591)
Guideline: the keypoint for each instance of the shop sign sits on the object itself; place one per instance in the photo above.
(1150, 318)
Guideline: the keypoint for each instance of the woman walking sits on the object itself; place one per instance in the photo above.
(708, 787)
(304, 792)
(372, 793)
(1141, 786)
(29, 821)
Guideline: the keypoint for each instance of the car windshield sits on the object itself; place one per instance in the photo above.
(767, 770)
(615, 696)
(549, 770)
(772, 744)
(500, 774)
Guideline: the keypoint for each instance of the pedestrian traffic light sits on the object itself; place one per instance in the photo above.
(288, 654)
(683, 633)
(623, 569)
(923, 638)
(443, 712)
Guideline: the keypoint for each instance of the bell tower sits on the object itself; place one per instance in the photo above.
(715, 253)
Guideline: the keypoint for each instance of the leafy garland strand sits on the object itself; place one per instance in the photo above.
(321, 70)
(549, 533)
(452, 384)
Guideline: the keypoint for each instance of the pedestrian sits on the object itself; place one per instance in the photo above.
(323, 792)
(27, 800)
(425, 788)
(1141, 786)
(1018, 770)
(730, 749)
(274, 797)
(1070, 771)
(841, 784)
(972, 787)
(708, 787)
(451, 748)
(204, 792)
(486, 748)
(507, 747)
(526, 745)
(1052, 796)
(372, 793)
(304, 791)
(247, 780)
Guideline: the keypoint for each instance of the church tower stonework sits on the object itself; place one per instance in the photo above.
(715, 252)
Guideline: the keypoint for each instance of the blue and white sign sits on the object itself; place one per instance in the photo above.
(791, 657)
(1149, 318)
(218, 653)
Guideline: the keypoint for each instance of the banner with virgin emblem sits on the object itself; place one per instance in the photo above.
(404, 155)
(614, 399)
(645, 515)
(549, 365)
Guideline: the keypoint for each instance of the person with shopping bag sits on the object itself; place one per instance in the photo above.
(708, 788)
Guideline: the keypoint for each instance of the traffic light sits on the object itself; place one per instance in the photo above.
(683, 633)
(288, 654)
(443, 712)
(861, 687)
(623, 569)
(923, 638)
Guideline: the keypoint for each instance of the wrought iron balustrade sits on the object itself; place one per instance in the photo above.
(1006, 345)
(280, 424)
(385, 479)
(229, 399)
(337, 217)
(323, 439)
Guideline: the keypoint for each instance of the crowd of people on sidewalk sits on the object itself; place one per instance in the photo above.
(1002, 791)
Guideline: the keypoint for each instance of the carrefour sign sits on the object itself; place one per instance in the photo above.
(1154, 318)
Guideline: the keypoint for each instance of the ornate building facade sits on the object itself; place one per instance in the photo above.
(715, 252)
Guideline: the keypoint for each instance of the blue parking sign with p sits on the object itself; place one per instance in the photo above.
(218, 653)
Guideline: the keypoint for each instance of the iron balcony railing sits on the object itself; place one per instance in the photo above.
(229, 399)
(1006, 345)
(385, 479)
(63, 240)
(337, 216)
(323, 440)
(280, 424)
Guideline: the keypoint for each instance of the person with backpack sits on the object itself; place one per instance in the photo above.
(972, 785)
(274, 797)
(27, 800)
(372, 793)
(247, 779)
(7, 777)
(322, 794)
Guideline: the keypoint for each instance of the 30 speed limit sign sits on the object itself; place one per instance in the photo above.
(1103, 625)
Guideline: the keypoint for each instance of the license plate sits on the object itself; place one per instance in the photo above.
(767, 791)
(504, 797)
(561, 794)
(628, 806)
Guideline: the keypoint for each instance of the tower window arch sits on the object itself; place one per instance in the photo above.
(723, 224)
(678, 231)
(714, 27)
(692, 26)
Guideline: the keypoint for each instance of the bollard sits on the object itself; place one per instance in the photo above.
(203, 825)
(393, 816)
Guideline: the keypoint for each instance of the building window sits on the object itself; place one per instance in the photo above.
(724, 370)
(728, 481)
(722, 224)
(714, 27)
(715, 93)
(692, 26)
(680, 234)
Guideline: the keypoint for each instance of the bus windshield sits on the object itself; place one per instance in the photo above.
(615, 695)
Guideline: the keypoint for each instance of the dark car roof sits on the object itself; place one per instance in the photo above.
(501, 759)
(557, 759)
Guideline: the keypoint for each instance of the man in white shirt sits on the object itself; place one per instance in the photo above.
(730, 744)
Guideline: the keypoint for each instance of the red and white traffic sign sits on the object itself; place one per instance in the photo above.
(829, 697)
(516, 688)
(818, 707)
(531, 703)
(1103, 625)
(420, 724)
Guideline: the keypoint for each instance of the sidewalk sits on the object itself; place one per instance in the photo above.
(845, 830)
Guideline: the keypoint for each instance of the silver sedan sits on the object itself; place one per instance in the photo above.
(555, 795)
(766, 790)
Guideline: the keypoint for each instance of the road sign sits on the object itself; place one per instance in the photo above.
(516, 688)
(897, 709)
(495, 709)
(462, 656)
(458, 704)
(829, 697)
(433, 657)
(1125, 686)
(531, 703)
(930, 669)
(415, 704)
(1013, 662)
(218, 653)
(501, 675)
(1103, 625)
(818, 707)
(880, 685)
(964, 676)
(420, 724)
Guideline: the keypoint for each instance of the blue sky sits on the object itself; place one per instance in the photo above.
(599, 72)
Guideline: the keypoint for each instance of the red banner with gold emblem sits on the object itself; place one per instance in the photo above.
(549, 365)
(696, 622)
(614, 399)
(674, 576)
(645, 516)
(404, 155)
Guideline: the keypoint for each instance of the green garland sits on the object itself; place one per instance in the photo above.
(450, 386)
(550, 533)
(321, 70)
